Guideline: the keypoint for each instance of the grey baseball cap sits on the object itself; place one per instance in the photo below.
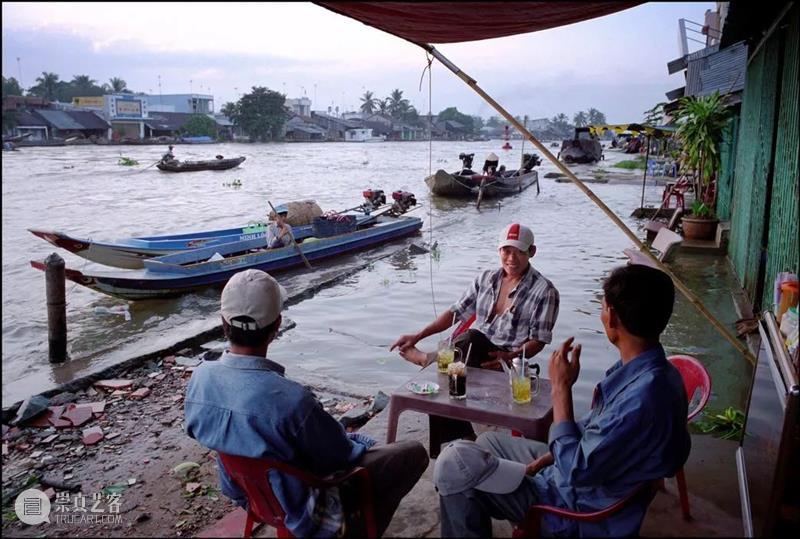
(255, 294)
(463, 465)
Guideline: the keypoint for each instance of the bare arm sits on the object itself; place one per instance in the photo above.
(442, 322)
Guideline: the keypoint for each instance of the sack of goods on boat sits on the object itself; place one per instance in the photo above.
(298, 213)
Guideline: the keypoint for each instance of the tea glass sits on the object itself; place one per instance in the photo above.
(446, 355)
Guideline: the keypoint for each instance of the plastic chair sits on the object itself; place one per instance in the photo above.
(666, 243)
(263, 507)
(695, 378)
(531, 526)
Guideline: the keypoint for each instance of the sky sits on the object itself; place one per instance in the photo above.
(616, 64)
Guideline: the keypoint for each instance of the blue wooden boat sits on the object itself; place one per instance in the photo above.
(182, 272)
(129, 253)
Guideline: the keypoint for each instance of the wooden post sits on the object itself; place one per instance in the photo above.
(56, 308)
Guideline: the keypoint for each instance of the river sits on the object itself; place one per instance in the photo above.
(343, 332)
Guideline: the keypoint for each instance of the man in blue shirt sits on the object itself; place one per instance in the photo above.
(635, 432)
(243, 405)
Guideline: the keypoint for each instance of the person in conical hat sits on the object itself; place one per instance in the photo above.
(490, 165)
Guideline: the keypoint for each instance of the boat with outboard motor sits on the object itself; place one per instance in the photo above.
(493, 182)
(130, 253)
(186, 271)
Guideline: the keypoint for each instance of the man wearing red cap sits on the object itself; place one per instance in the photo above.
(515, 309)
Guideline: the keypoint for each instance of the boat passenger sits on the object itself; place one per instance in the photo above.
(636, 431)
(279, 232)
(244, 405)
(515, 309)
(169, 156)
(490, 165)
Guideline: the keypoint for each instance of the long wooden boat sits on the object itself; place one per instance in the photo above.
(179, 273)
(130, 253)
(446, 184)
(193, 166)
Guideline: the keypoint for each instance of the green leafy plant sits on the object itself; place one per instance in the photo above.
(127, 161)
(727, 424)
(701, 124)
(701, 210)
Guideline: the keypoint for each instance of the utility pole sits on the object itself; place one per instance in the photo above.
(160, 101)
(19, 72)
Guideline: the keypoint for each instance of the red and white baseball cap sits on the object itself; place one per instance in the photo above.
(516, 235)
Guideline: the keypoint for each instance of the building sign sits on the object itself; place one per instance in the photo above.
(92, 102)
(129, 107)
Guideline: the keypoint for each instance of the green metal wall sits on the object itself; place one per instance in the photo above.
(727, 163)
(766, 146)
(783, 248)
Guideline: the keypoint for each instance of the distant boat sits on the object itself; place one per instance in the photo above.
(467, 184)
(584, 147)
(204, 139)
(193, 166)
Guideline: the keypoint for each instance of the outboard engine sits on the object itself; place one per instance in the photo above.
(466, 159)
(403, 200)
(530, 160)
(374, 198)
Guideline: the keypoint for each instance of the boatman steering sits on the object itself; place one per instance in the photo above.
(169, 156)
(279, 232)
(515, 309)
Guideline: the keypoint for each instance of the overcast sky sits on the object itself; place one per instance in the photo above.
(616, 64)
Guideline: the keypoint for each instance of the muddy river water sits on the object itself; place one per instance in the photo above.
(343, 331)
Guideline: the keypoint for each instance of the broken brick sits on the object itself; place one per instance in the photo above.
(140, 393)
(116, 383)
(77, 415)
(92, 435)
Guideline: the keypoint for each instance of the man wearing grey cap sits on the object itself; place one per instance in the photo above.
(243, 405)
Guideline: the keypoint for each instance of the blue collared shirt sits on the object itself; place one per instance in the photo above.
(635, 432)
(243, 405)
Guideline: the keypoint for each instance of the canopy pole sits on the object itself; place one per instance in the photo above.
(644, 177)
(472, 83)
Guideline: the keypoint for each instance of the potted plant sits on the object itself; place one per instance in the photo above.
(701, 224)
(702, 121)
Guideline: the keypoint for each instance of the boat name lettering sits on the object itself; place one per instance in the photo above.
(244, 237)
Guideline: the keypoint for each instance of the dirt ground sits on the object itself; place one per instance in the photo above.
(143, 444)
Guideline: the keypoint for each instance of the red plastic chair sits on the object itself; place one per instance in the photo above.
(695, 378)
(263, 507)
(463, 326)
(532, 525)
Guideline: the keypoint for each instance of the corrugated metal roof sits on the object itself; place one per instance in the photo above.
(88, 119)
(167, 121)
(25, 118)
(60, 119)
(722, 71)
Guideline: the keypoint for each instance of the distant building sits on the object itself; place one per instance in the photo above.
(127, 114)
(300, 106)
(186, 103)
(48, 124)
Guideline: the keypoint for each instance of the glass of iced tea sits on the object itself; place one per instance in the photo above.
(457, 380)
(446, 355)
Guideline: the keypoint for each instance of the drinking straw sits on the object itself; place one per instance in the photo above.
(450, 340)
(469, 349)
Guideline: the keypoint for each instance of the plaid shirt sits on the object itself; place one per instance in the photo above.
(531, 316)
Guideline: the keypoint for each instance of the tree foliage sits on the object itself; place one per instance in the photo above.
(261, 113)
(580, 119)
(451, 113)
(561, 126)
(368, 103)
(11, 87)
(595, 117)
(199, 125)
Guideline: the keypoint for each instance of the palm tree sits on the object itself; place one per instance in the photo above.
(383, 106)
(596, 117)
(368, 103)
(117, 85)
(47, 86)
(397, 105)
(580, 119)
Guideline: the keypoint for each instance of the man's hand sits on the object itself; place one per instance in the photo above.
(405, 341)
(542, 462)
(563, 372)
